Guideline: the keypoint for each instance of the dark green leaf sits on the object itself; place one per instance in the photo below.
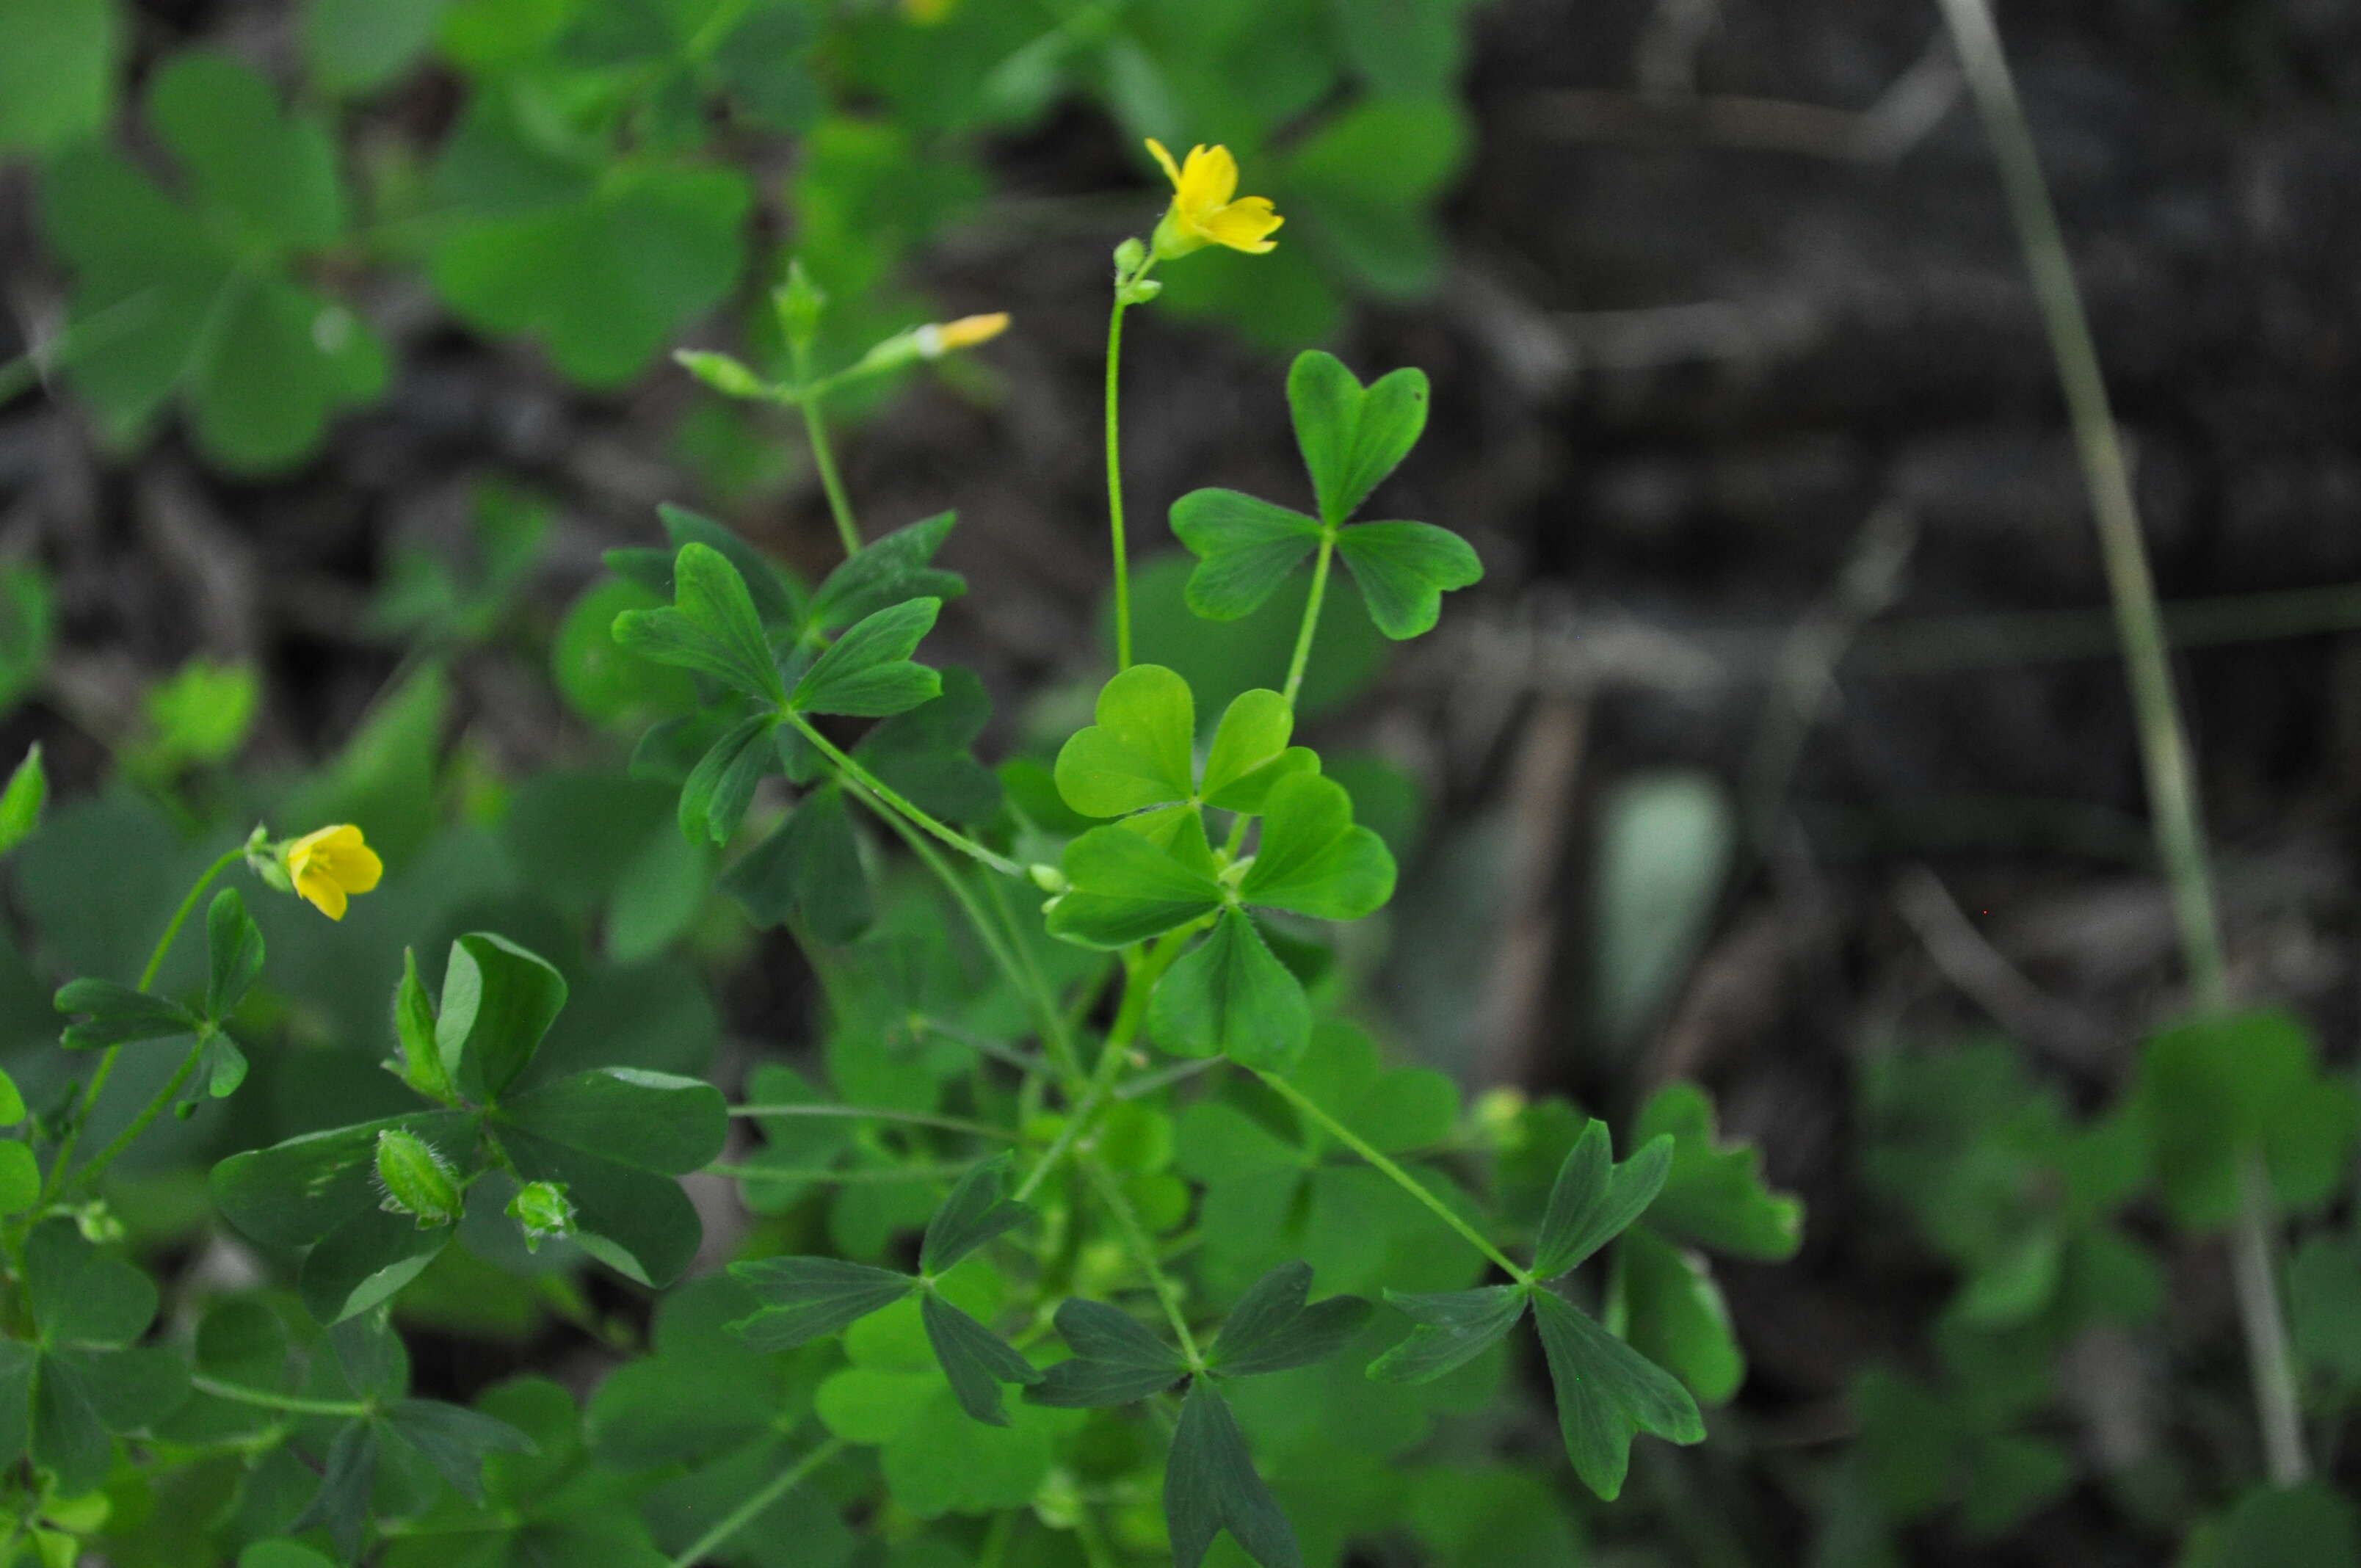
(1404, 569)
(79, 1294)
(2218, 1091)
(1606, 1392)
(974, 1214)
(497, 1001)
(295, 1192)
(2304, 1526)
(276, 175)
(1116, 1361)
(1228, 996)
(868, 674)
(1271, 1329)
(57, 71)
(341, 1504)
(1245, 549)
(711, 626)
(775, 594)
(456, 1440)
(233, 947)
(1312, 860)
(887, 571)
(714, 795)
(364, 1260)
(118, 1015)
(811, 862)
(806, 1297)
(1593, 1199)
(1352, 437)
(1210, 1486)
(1453, 1329)
(924, 752)
(635, 1221)
(653, 1120)
(975, 1360)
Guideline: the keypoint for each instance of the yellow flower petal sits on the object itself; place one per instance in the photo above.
(968, 331)
(1207, 179)
(1171, 169)
(1245, 225)
(328, 865)
(323, 893)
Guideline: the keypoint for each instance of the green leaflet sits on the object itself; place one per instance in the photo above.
(1228, 996)
(1138, 758)
(868, 672)
(1210, 1486)
(1606, 1392)
(1351, 437)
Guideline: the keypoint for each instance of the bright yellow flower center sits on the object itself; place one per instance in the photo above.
(330, 865)
(1203, 212)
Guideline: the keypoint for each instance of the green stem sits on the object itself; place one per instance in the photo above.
(852, 1178)
(1001, 941)
(269, 1401)
(871, 1112)
(839, 504)
(746, 1512)
(1312, 603)
(146, 1117)
(1142, 1248)
(1394, 1173)
(56, 1180)
(870, 785)
(2179, 823)
(1140, 976)
(995, 1541)
(1114, 482)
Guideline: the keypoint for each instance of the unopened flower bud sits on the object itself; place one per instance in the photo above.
(416, 1179)
(724, 375)
(1128, 256)
(544, 1211)
(1047, 877)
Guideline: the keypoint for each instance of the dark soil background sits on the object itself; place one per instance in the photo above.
(1738, 384)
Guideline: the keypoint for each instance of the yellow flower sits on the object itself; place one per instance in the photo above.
(1203, 212)
(938, 338)
(329, 865)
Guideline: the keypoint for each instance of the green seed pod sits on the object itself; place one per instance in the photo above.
(543, 1211)
(416, 1179)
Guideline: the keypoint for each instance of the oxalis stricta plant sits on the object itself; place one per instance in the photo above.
(1160, 1182)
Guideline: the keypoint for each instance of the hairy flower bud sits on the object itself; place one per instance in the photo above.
(544, 1211)
(416, 1179)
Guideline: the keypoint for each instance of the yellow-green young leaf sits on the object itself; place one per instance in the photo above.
(20, 1177)
(21, 802)
(12, 1102)
(1250, 753)
(201, 714)
(1139, 754)
(1352, 436)
(1228, 996)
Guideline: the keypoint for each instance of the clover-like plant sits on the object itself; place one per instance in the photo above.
(588, 1157)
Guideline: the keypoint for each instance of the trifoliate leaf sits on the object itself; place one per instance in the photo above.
(1228, 996)
(2218, 1091)
(804, 1299)
(1352, 436)
(975, 1360)
(1273, 1329)
(118, 1015)
(1404, 569)
(1606, 1392)
(1594, 1198)
(1210, 1486)
(974, 1214)
(1453, 1328)
(868, 672)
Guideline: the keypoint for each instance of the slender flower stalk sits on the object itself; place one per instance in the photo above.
(2179, 822)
